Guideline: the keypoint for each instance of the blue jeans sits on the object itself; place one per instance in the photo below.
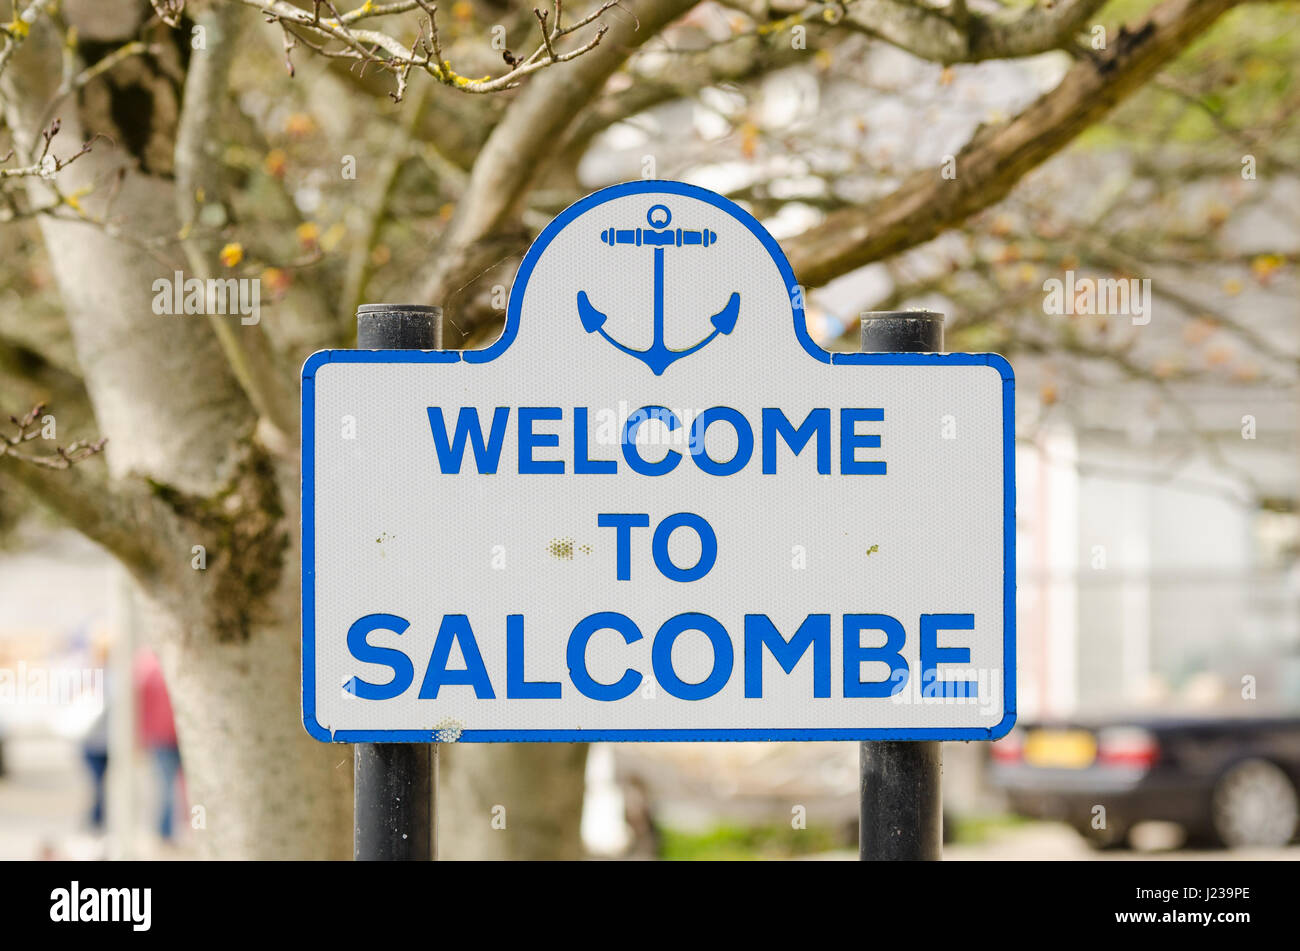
(168, 760)
(97, 760)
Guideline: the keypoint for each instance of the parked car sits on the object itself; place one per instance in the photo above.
(1227, 781)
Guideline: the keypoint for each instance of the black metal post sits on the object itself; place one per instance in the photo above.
(394, 810)
(900, 811)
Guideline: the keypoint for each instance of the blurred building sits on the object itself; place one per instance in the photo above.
(1151, 575)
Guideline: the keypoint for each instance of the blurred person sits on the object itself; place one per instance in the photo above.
(94, 742)
(157, 728)
(94, 749)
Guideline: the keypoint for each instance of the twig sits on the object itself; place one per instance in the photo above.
(63, 457)
(46, 165)
(338, 37)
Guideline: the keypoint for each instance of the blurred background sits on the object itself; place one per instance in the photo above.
(1106, 193)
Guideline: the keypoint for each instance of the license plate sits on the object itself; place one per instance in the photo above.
(1061, 749)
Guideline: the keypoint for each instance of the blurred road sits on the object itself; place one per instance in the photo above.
(44, 795)
(1052, 842)
(44, 801)
(1047, 840)
(46, 791)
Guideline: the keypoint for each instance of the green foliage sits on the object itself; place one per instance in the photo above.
(1240, 75)
(728, 842)
(973, 829)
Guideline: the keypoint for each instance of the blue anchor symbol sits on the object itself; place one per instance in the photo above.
(659, 236)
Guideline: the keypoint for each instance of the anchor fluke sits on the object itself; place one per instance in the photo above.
(592, 319)
(725, 320)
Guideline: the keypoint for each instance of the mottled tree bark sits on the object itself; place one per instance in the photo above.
(186, 468)
(511, 801)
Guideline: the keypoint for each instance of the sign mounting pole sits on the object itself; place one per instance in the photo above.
(394, 812)
(900, 797)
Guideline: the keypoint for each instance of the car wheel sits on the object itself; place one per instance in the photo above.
(1254, 804)
(1202, 838)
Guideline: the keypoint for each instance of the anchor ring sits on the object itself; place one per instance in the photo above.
(650, 216)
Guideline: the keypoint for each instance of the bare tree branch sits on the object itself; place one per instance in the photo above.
(964, 36)
(198, 182)
(356, 274)
(998, 157)
(45, 165)
(62, 457)
(116, 516)
(13, 34)
(338, 36)
(682, 76)
(510, 159)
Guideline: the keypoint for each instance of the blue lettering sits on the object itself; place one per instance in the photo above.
(744, 441)
(888, 653)
(622, 525)
(577, 656)
(708, 546)
(814, 632)
(487, 454)
(455, 628)
(662, 656)
(529, 440)
(358, 647)
(582, 463)
(669, 462)
(816, 423)
(932, 655)
(517, 688)
(851, 442)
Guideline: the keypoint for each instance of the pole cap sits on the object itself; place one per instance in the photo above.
(901, 331)
(398, 327)
(397, 309)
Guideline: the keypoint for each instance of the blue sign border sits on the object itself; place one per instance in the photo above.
(320, 358)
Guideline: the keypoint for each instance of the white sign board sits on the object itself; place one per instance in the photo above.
(654, 509)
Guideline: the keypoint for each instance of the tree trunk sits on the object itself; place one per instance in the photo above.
(178, 423)
(257, 786)
(183, 435)
(511, 801)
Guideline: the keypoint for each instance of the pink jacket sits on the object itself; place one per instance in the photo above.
(154, 719)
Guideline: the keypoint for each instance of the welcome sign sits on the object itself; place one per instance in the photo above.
(655, 509)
